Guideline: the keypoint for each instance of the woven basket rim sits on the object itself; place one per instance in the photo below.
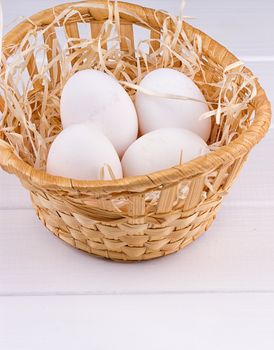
(204, 164)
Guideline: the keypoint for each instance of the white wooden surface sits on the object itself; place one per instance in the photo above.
(236, 254)
(155, 322)
(216, 294)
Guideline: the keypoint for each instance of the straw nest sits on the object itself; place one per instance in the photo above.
(135, 218)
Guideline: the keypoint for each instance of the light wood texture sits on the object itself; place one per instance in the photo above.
(236, 254)
(214, 321)
(255, 183)
(12, 194)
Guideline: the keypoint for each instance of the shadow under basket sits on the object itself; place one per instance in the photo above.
(136, 218)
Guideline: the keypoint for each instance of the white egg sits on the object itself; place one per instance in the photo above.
(161, 149)
(157, 112)
(80, 152)
(91, 95)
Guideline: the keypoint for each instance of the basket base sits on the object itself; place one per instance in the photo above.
(119, 256)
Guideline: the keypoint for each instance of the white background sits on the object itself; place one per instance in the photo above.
(217, 293)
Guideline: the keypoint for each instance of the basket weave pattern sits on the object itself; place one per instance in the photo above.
(145, 217)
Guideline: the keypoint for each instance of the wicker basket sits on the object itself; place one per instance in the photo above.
(154, 219)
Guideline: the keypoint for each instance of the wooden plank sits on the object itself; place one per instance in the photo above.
(232, 24)
(225, 321)
(12, 193)
(255, 183)
(237, 254)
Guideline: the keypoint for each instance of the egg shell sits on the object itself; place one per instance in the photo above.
(161, 149)
(80, 151)
(157, 112)
(94, 96)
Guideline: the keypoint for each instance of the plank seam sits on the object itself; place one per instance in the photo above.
(134, 293)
